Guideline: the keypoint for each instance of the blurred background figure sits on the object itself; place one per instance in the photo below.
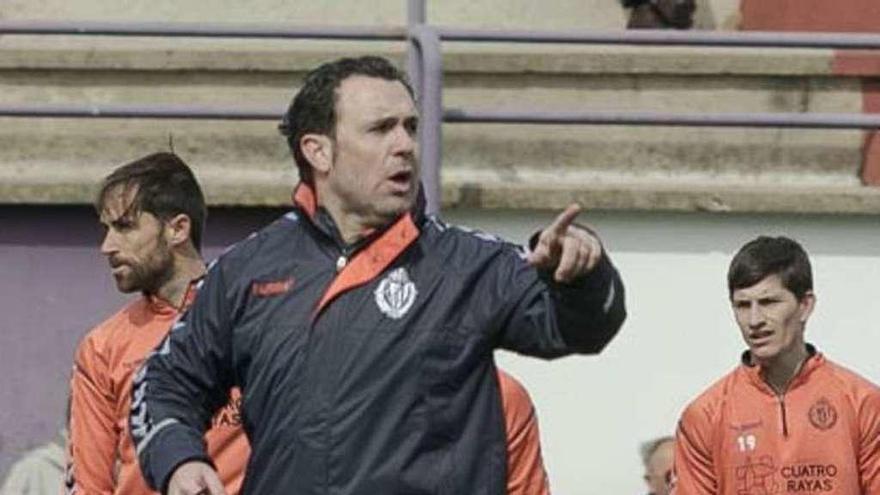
(660, 14)
(657, 455)
(39, 471)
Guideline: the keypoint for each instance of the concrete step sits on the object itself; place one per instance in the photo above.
(494, 166)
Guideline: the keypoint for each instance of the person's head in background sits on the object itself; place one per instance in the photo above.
(657, 455)
(153, 213)
(660, 14)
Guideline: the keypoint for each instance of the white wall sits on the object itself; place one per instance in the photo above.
(680, 335)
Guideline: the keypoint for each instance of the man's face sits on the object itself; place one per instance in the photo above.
(135, 245)
(659, 469)
(771, 319)
(375, 172)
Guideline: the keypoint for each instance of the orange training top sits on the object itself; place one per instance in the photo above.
(101, 456)
(821, 436)
(525, 468)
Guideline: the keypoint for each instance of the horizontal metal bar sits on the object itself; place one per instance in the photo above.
(670, 37)
(784, 120)
(140, 111)
(454, 116)
(380, 33)
(164, 29)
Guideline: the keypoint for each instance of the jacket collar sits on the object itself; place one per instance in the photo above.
(160, 306)
(368, 257)
(305, 197)
(815, 359)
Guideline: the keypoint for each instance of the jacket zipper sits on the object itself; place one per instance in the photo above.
(346, 253)
(781, 397)
(784, 419)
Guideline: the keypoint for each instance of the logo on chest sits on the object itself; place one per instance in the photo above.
(271, 288)
(823, 415)
(396, 294)
(757, 477)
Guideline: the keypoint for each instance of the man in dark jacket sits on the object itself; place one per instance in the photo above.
(360, 331)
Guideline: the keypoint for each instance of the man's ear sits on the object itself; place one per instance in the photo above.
(178, 229)
(318, 150)
(807, 304)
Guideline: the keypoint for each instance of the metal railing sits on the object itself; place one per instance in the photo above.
(425, 68)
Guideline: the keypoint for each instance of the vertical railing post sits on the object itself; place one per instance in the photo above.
(415, 16)
(426, 44)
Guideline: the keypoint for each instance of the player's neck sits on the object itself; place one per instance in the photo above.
(780, 371)
(187, 267)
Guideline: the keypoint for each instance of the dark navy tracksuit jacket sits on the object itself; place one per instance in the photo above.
(365, 370)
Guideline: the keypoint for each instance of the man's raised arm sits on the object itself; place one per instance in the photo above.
(575, 304)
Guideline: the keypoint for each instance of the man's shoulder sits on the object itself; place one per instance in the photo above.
(711, 400)
(38, 467)
(105, 333)
(843, 378)
(271, 237)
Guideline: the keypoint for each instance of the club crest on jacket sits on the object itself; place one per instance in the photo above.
(396, 294)
(823, 415)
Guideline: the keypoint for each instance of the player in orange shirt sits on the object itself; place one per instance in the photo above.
(786, 420)
(153, 212)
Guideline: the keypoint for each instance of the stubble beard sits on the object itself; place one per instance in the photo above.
(151, 275)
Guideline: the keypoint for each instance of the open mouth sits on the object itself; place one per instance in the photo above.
(403, 176)
(402, 180)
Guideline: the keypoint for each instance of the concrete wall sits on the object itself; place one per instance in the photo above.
(593, 410)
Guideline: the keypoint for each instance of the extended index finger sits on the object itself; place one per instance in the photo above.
(560, 226)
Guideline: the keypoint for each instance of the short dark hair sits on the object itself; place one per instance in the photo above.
(313, 109)
(165, 186)
(766, 256)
